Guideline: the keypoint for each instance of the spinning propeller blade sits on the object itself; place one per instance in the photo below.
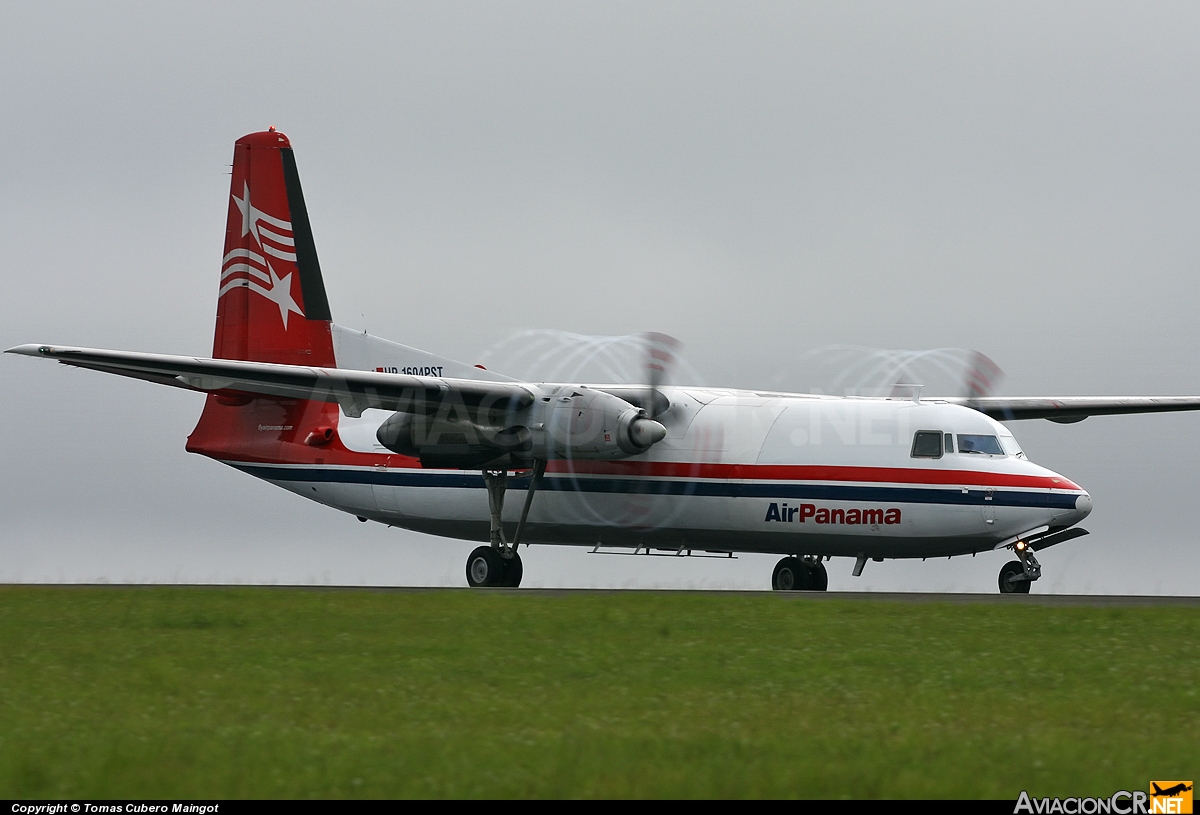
(983, 376)
(661, 350)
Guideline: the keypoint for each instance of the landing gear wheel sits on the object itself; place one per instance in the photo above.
(485, 567)
(1013, 579)
(820, 577)
(513, 570)
(792, 574)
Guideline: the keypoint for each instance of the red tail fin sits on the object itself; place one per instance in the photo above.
(271, 307)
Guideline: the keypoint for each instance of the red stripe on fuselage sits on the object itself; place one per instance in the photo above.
(335, 454)
(810, 472)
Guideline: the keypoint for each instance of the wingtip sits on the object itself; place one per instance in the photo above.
(31, 350)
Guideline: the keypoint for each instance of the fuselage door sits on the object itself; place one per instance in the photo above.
(387, 496)
(989, 506)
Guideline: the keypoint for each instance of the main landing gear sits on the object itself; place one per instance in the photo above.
(1018, 575)
(498, 564)
(487, 567)
(805, 573)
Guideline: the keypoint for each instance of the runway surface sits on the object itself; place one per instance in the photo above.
(1094, 600)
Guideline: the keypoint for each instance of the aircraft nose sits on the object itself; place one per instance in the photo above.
(1071, 515)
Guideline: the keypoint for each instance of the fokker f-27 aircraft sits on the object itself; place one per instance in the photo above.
(402, 437)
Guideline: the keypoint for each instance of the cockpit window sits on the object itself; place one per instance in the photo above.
(927, 444)
(979, 444)
(1011, 447)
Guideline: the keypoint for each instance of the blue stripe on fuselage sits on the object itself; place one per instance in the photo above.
(706, 488)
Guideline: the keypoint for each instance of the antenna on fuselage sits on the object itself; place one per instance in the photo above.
(916, 394)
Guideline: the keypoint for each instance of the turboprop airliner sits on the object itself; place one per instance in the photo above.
(403, 437)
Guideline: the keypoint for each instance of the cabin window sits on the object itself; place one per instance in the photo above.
(949, 442)
(989, 445)
(927, 444)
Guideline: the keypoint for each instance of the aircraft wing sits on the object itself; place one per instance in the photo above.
(1068, 409)
(353, 390)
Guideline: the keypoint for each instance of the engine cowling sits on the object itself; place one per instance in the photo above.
(564, 422)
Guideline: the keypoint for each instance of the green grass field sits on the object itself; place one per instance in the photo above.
(245, 692)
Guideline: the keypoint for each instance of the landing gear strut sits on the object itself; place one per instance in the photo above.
(1018, 575)
(496, 482)
(800, 574)
(498, 564)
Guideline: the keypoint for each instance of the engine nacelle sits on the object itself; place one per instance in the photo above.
(582, 423)
(564, 422)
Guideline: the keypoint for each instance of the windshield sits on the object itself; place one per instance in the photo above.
(979, 444)
(1011, 447)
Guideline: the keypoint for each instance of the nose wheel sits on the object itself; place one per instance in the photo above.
(1013, 579)
(1018, 575)
(800, 574)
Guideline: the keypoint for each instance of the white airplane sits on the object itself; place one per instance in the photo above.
(403, 437)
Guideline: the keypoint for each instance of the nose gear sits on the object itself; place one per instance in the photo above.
(1018, 575)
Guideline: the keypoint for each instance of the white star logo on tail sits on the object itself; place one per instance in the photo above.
(253, 219)
(244, 268)
(280, 293)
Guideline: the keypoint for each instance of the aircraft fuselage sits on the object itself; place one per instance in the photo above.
(739, 471)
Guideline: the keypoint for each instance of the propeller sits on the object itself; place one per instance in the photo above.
(983, 376)
(661, 355)
(980, 375)
(548, 355)
(892, 372)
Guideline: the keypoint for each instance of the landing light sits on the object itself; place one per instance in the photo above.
(1020, 546)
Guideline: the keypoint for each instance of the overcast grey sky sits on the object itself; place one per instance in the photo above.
(756, 179)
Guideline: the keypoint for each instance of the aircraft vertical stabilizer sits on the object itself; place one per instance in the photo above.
(271, 307)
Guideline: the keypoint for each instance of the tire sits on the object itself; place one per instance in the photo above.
(513, 570)
(820, 577)
(1012, 579)
(485, 568)
(791, 574)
